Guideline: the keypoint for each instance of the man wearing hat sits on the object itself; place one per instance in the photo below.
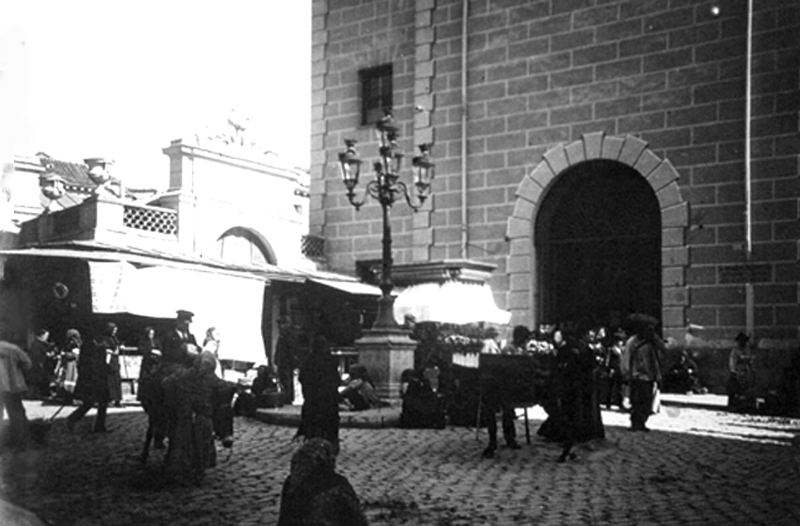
(641, 368)
(738, 362)
(180, 345)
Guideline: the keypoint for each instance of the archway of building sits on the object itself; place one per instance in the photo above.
(597, 237)
(246, 246)
(582, 217)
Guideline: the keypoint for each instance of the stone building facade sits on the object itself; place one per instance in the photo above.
(608, 156)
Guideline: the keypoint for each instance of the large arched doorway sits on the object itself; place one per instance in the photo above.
(598, 243)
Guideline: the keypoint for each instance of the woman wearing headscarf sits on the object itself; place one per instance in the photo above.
(319, 376)
(314, 493)
(193, 397)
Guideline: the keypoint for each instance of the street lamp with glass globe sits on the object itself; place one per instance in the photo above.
(386, 188)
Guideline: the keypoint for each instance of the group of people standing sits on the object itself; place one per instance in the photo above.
(189, 404)
(178, 377)
(585, 368)
(89, 372)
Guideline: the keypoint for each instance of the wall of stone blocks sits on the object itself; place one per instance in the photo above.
(543, 73)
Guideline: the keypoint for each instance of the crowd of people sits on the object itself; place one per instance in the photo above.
(584, 369)
(181, 388)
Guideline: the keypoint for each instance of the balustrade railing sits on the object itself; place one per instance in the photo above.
(150, 219)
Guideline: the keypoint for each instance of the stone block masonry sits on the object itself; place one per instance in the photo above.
(551, 84)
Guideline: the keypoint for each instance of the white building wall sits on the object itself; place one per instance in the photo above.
(220, 191)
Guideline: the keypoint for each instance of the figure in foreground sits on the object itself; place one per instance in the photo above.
(314, 493)
(319, 377)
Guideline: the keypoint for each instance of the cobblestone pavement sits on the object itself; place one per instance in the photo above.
(697, 466)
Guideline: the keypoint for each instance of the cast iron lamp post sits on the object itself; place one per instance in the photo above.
(386, 188)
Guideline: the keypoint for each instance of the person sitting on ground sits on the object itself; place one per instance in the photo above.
(263, 392)
(682, 377)
(314, 493)
(422, 407)
(359, 393)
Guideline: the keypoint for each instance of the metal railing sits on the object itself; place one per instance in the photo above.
(150, 219)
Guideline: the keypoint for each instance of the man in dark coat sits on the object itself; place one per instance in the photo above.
(180, 345)
(92, 386)
(179, 351)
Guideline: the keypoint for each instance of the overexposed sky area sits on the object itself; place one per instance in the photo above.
(121, 79)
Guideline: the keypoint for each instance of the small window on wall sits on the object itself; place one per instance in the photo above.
(376, 93)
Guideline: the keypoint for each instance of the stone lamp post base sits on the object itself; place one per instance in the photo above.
(386, 353)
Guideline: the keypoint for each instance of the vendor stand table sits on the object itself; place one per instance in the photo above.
(520, 380)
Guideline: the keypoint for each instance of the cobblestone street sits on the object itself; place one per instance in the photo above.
(697, 466)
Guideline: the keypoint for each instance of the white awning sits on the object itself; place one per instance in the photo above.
(231, 304)
(454, 302)
(353, 287)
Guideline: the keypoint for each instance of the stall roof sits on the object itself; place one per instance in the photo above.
(98, 251)
(94, 251)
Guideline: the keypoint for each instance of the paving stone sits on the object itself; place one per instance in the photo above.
(722, 468)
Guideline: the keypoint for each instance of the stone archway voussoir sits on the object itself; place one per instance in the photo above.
(663, 175)
(648, 161)
(518, 228)
(529, 190)
(593, 145)
(675, 216)
(669, 196)
(542, 175)
(631, 150)
(556, 157)
(524, 209)
(612, 146)
(575, 153)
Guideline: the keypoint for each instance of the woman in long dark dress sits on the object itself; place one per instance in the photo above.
(575, 416)
(190, 396)
(319, 377)
(111, 344)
